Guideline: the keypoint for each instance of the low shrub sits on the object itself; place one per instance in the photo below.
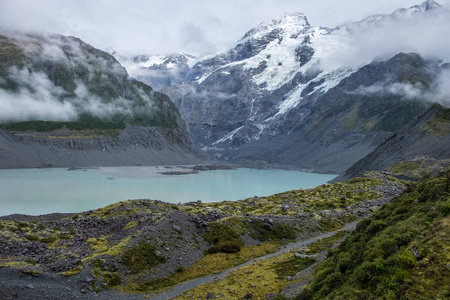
(376, 226)
(233, 246)
(31, 237)
(264, 232)
(48, 240)
(223, 238)
(142, 257)
(112, 279)
(179, 269)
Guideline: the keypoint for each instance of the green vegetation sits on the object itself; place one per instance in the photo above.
(261, 277)
(352, 119)
(407, 166)
(402, 251)
(112, 279)
(325, 243)
(223, 238)
(328, 196)
(419, 168)
(293, 266)
(141, 257)
(207, 265)
(10, 55)
(47, 126)
(440, 125)
(264, 232)
(153, 285)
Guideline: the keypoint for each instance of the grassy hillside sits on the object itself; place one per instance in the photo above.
(401, 252)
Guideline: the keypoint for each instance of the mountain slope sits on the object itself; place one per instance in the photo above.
(401, 252)
(280, 95)
(428, 135)
(65, 103)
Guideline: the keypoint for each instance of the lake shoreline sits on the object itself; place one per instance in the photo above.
(207, 166)
(62, 190)
(79, 240)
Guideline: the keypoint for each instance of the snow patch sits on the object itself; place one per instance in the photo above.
(152, 61)
(205, 76)
(229, 136)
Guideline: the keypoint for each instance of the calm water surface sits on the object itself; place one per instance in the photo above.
(40, 191)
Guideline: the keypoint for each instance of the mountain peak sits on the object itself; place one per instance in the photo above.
(422, 8)
(289, 22)
(297, 18)
(429, 4)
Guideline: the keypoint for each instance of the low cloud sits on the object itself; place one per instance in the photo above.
(38, 99)
(26, 106)
(79, 70)
(406, 91)
(383, 37)
(439, 91)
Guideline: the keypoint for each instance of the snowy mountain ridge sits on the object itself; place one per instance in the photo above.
(279, 80)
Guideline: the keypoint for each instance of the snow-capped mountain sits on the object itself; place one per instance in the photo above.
(158, 71)
(291, 93)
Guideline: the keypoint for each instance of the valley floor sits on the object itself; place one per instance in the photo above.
(56, 286)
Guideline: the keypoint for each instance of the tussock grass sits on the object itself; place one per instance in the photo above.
(142, 257)
(260, 278)
(325, 243)
(207, 265)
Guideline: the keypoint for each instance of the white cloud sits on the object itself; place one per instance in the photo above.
(439, 91)
(37, 100)
(162, 26)
(421, 33)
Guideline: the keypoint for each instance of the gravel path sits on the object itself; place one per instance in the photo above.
(194, 283)
(17, 285)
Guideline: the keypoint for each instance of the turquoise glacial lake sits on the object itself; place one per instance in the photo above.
(42, 191)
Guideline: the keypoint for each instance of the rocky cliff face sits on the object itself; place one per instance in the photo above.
(67, 104)
(276, 96)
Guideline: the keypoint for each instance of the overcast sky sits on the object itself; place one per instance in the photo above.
(198, 27)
